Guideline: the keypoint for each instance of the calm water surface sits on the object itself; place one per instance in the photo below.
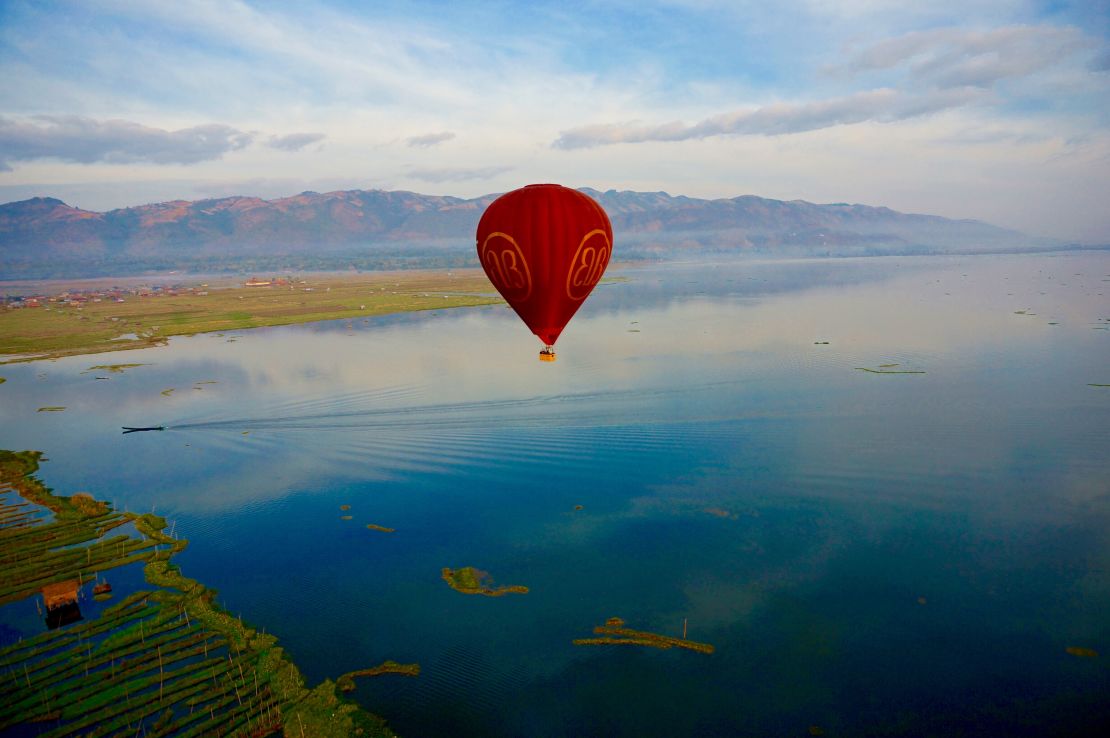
(871, 554)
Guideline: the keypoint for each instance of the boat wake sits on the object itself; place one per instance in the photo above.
(587, 409)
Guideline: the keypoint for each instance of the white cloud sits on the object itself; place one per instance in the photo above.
(925, 72)
(429, 139)
(957, 57)
(86, 141)
(320, 52)
(459, 174)
(878, 105)
(294, 141)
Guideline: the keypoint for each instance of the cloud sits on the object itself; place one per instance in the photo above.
(922, 72)
(955, 57)
(294, 141)
(883, 105)
(83, 140)
(430, 139)
(457, 174)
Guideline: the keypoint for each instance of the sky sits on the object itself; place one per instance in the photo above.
(997, 110)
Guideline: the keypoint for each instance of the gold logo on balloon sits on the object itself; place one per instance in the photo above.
(588, 264)
(505, 265)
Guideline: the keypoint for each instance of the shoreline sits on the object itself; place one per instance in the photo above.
(81, 323)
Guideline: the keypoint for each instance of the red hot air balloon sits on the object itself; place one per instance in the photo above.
(544, 247)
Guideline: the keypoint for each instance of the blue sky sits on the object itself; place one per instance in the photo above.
(991, 109)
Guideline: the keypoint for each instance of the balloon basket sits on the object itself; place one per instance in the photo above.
(547, 354)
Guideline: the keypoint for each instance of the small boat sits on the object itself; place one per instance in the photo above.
(102, 588)
(127, 429)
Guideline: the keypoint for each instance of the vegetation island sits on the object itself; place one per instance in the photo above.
(346, 682)
(160, 662)
(469, 580)
(889, 369)
(613, 633)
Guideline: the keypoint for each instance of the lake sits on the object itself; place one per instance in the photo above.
(909, 550)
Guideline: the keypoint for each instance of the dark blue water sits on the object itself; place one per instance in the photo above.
(870, 554)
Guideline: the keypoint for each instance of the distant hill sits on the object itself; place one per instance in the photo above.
(44, 237)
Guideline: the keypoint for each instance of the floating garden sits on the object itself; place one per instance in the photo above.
(113, 368)
(469, 580)
(346, 682)
(1082, 652)
(613, 633)
(889, 369)
(160, 662)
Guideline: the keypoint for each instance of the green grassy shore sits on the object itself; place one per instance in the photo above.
(161, 662)
(57, 329)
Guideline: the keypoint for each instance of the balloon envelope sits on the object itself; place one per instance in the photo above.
(544, 247)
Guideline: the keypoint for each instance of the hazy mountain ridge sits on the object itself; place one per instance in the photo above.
(45, 236)
(749, 222)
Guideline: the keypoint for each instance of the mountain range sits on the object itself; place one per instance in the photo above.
(44, 237)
